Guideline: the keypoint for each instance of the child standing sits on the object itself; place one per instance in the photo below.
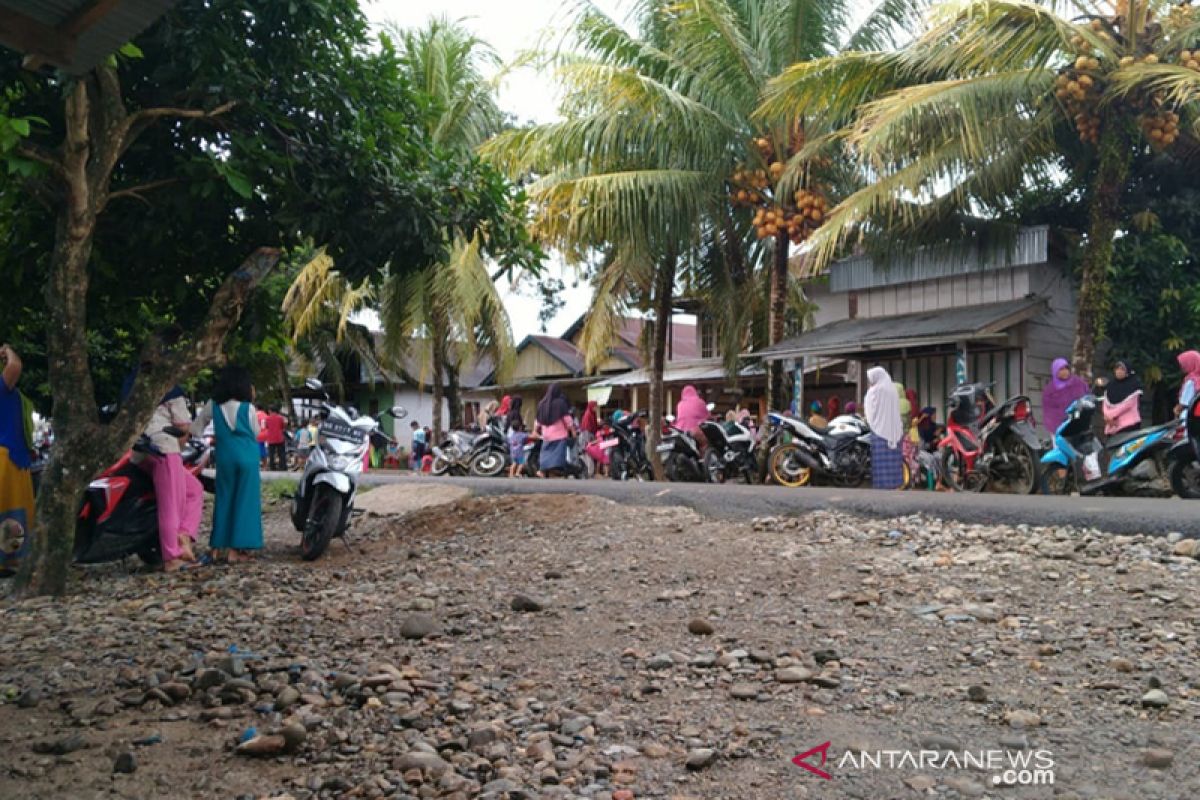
(516, 448)
(237, 510)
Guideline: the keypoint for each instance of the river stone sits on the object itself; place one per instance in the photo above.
(418, 626)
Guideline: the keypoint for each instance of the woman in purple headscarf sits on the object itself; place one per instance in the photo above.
(1064, 388)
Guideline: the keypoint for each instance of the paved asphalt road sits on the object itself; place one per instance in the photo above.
(1112, 514)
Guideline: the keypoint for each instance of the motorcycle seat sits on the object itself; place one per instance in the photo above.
(1118, 439)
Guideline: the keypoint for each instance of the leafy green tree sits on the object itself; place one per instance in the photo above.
(996, 96)
(135, 189)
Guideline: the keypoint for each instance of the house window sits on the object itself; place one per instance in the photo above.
(707, 331)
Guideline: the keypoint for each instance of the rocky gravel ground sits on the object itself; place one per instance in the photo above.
(566, 647)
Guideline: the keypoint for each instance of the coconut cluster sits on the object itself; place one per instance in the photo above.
(796, 216)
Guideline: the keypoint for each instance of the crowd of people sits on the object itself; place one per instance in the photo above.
(248, 439)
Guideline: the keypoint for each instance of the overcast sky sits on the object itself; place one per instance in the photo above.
(511, 27)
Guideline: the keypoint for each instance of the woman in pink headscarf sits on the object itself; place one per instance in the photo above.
(1189, 362)
(691, 410)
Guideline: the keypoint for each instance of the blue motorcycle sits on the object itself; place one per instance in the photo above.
(1133, 463)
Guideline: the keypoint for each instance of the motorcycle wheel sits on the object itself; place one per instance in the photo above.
(616, 467)
(956, 475)
(150, 556)
(1185, 478)
(1024, 482)
(712, 464)
(786, 469)
(439, 467)
(645, 473)
(323, 517)
(1057, 480)
(488, 464)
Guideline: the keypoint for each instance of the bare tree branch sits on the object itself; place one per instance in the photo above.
(136, 191)
(181, 113)
(42, 155)
(137, 122)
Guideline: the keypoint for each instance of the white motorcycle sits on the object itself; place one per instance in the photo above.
(324, 501)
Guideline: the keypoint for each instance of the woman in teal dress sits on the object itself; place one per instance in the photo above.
(237, 510)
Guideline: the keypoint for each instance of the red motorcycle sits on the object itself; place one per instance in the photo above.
(119, 513)
(988, 446)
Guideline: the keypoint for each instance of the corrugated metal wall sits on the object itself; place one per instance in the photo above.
(861, 272)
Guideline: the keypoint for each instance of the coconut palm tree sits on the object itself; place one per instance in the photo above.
(994, 96)
(658, 139)
(451, 312)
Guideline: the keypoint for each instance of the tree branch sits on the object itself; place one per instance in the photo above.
(203, 351)
(139, 121)
(136, 191)
(42, 155)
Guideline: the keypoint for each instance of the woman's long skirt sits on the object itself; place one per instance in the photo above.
(887, 464)
(554, 455)
(237, 509)
(16, 513)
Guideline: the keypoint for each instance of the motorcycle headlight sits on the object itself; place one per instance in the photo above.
(340, 463)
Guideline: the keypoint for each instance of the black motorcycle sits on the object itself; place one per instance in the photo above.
(682, 461)
(1184, 457)
(627, 459)
(730, 453)
(489, 455)
(119, 513)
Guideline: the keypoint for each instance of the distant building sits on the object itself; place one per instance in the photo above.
(989, 314)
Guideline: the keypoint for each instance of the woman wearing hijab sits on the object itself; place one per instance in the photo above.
(1064, 388)
(1189, 362)
(834, 407)
(514, 417)
(1121, 398)
(852, 408)
(589, 425)
(882, 405)
(554, 426)
(492, 409)
(690, 411)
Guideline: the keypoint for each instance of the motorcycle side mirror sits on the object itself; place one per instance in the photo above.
(711, 407)
(399, 412)
(171, 430)
(669, 417)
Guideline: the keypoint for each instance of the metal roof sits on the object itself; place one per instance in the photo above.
(75, 35)
(853, 336)
(710, 369)
(1031, 246)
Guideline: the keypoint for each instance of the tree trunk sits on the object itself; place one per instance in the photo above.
(777, 320)
(285, 392)
(453, 397)
(664, 296)
(1095, 288)
(439, 369)
(97, 131)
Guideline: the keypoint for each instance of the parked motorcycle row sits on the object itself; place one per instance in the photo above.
(985, 446)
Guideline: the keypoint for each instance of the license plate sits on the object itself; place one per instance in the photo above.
(665, 448)
(340, 430)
